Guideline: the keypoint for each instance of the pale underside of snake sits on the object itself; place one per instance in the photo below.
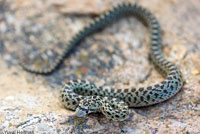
(85, 97)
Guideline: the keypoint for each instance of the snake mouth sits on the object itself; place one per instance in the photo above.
(80, 112)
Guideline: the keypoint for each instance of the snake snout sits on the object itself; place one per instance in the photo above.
(81, 112)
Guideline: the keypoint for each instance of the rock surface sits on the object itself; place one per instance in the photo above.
(116, 56)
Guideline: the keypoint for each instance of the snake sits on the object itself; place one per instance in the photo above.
(84, 97)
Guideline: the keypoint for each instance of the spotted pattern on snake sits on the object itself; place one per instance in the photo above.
(85, 97)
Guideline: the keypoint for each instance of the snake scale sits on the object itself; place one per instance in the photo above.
(85, 97)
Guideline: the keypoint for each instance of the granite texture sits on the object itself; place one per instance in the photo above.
(116, 56)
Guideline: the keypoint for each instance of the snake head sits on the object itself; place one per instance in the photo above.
(86, 106)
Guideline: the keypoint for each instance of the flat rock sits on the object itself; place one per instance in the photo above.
(116, 57)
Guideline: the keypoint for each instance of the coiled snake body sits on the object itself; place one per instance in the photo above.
(85, 97)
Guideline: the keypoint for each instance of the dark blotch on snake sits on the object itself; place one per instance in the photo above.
(119, 90)
(126, 90)
(149, 88)
(169, 78)
(141, 98)
(141, 89)
(133, 89)
(156, 95)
